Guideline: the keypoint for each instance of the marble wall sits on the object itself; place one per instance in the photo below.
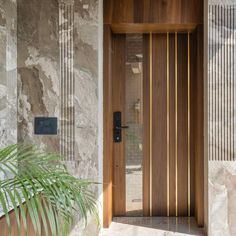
(222, 117)
(58, 76)
(8, 73)
(49, 67)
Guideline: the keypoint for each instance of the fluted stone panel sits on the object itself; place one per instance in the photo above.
(222, 83)
(222, 117)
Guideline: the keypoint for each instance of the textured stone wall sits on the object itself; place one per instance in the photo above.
(222, 117)
(8, 74)
(49, 67)
(58, 76)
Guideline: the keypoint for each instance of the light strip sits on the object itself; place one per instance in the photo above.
(150, 54)
(176, 124)
(189, 158)
(168, 125)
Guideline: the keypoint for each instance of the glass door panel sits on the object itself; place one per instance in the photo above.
(134, 119)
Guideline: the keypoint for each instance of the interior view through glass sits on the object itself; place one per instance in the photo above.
(134, 119)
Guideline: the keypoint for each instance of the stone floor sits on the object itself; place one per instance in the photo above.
(155, 226)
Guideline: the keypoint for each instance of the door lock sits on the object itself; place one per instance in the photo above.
(117, 136)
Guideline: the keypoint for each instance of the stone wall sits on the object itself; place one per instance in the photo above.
(8, 74)
(49, 68)
(222, 117)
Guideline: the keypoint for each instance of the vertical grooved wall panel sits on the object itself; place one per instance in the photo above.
(67, 133)
(221, 86)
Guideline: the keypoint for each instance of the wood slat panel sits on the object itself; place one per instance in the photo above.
(193, 119)
(182, 162)
(168, 11)
(159, 126)
(146, 126)
(118, 92)
(159, 160)
(122, 28)
(172, 127)
(138, 15)
(153, 11)
(107, 127)
(199, 132)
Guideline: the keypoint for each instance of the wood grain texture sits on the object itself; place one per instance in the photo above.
(5, 231)
(159, 129)
(122, 28)
(118, 100)
(182, 162)
(172, 127)
(193, 119)
(146, 125)
(107, 128)
(199, 131)
(4, 228)
(153, 11)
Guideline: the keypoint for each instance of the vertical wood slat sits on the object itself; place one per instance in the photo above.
(199, 131)
(118, 101)
(168, 120)
(108, 128)
(221, 98)
(181, 179)
(172, 189)
(172, 121)
(189, 125)
(193, 119)
(159, 117)
(146, 125)
(182, 163)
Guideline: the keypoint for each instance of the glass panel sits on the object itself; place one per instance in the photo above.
(134, 119)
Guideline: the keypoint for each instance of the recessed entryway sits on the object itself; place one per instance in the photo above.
(153, 115)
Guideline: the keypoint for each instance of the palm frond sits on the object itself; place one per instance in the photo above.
(41, 188)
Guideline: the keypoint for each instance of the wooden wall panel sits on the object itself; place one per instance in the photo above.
(118, 100)
(183, 171)
(107, 128)
(14, 228)
(182, 163)
(194, 72)
(199, 131)
(172, 113)
(161, 189)
(153, 11)
(146, 125)
(159, 138)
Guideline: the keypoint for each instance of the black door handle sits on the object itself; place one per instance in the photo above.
(117, 127)
(122, 127)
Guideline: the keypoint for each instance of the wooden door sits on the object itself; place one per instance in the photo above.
(158, 68)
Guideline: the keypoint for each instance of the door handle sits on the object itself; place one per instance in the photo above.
(122, 127)
(117, 127)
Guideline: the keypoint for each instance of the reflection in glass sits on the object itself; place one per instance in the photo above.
(134, 119)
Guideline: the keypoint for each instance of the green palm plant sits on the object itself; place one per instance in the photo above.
(42, 189)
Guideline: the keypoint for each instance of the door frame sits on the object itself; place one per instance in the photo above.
(108, 122)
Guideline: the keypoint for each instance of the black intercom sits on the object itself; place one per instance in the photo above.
(45, 126)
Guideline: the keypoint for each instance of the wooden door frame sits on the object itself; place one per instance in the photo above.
(108, 129)
(108, 133)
